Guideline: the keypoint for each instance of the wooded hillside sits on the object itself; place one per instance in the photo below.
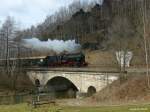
(98, 26)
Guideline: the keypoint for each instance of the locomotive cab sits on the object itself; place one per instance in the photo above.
(73, 59)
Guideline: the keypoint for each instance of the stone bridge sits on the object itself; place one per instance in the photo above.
(81, 80)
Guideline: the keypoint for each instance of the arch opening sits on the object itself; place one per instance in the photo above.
(61, 87)
(91, 91)
(37, 83)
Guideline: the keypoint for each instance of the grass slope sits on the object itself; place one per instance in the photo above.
(133, 89)
(25, 108)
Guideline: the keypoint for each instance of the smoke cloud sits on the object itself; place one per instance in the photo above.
(57, 46)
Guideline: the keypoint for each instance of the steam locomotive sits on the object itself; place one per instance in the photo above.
(66, 60)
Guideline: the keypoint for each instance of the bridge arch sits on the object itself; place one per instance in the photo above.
(91, 90)
(37, 82)
(61, 80)
(67, 77)
(59, 84)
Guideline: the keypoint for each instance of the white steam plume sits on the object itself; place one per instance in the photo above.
(57, 46)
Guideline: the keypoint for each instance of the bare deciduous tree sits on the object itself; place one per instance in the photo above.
(121, 35)
(10, 50)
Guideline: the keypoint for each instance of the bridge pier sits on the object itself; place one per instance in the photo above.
(80, 95)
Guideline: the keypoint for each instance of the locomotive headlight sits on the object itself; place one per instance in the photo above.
(41, 60)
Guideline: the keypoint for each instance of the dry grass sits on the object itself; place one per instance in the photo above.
(25, 108)
(133, 89)
(99, 58)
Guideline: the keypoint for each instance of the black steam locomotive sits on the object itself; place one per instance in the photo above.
(66, 60)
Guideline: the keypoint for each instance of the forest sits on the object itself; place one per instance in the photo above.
(103, 26)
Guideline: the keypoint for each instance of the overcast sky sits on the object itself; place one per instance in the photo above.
(30, 12)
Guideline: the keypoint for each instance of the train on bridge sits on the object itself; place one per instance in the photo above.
(64, 60)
